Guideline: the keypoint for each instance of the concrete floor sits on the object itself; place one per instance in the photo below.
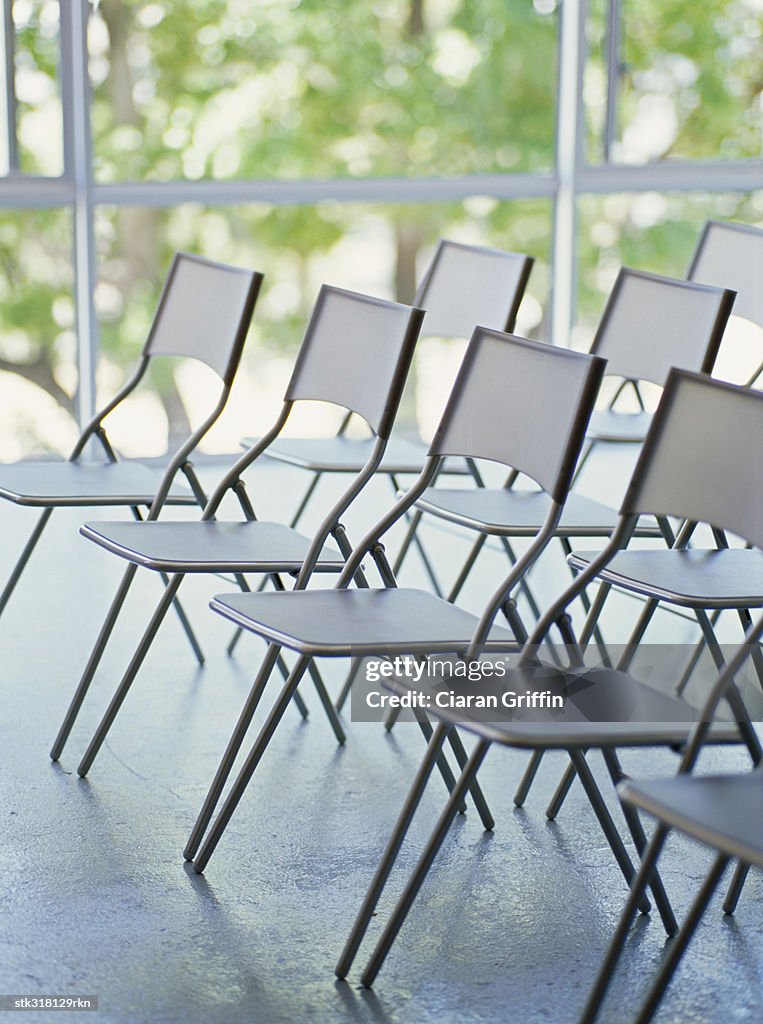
(510, 926)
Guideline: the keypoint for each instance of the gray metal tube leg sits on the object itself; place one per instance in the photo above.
(735, 888)
(249, 767)
(528, 777)
(185, 623)
(607, 825)
(95, 656)
(682, 940)
(422, 868)
(127, 679)
(24, 557)
(391, 851)
(234, 745)
(638, 887)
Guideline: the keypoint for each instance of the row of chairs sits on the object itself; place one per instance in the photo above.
(525, 405)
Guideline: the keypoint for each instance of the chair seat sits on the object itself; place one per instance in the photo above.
(521, 513)
(349, 455)
(601, 707)
(344, 623)
(210, 546)
(729, 578)
(627, 427)
(46, 484)
(724, 811)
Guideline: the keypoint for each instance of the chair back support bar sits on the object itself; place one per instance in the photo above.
(356, 353)
(653, 323)
(731, 256)
(467, 285)
(702, 457)
(522, 403)
(204, 313)
(506, 393)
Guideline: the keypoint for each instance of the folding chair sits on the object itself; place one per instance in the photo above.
(724, 812)
(604, 708)
(203, 313)
(730, 255)
(356, 353)
(650, 323)
(658, 338)
(517, 402)
(464, 285)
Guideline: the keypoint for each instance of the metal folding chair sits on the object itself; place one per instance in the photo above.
(724, 812)
(203, 313)
(517, 402)
(464, 285)
(356, 353)
(603, 708)
(641, 343)
(649, 324)
(730, 255)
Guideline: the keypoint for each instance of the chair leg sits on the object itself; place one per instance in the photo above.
(344, 693)
(95, 657)
(442, 762)
(638, 887)
(128, 678)
(586, 603)
(413, 525)
(422, 868)
(466, 568)
(325, 700)
(735, 888)
(250, 765)
(527, 779)
(605, 820)
(234, 745)
(638, 835)
(185, 623)
(561, 792)
(682, 940)
(24, 557)
(475, 790)
(623, 664)
(283, 668)
(391, 851)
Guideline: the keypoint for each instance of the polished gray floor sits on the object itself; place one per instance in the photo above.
(95, 898)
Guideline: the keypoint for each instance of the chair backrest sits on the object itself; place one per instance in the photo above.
(653, 323)
(204, 313)
(356, 353)
(731, 256)
(522, 403)
(702, 457)
(469, 285)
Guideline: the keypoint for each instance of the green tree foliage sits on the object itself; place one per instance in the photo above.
(335, 89)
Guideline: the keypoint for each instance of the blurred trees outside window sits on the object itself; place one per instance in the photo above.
(296, 90)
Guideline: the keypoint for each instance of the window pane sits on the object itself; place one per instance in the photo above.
(32, 97)
(377, 249)
(38, 376)
(321, 88)
(691, 80)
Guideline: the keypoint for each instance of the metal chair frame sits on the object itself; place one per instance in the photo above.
(577, 737)
(180, 462)
(304, 378)
(452, 439)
